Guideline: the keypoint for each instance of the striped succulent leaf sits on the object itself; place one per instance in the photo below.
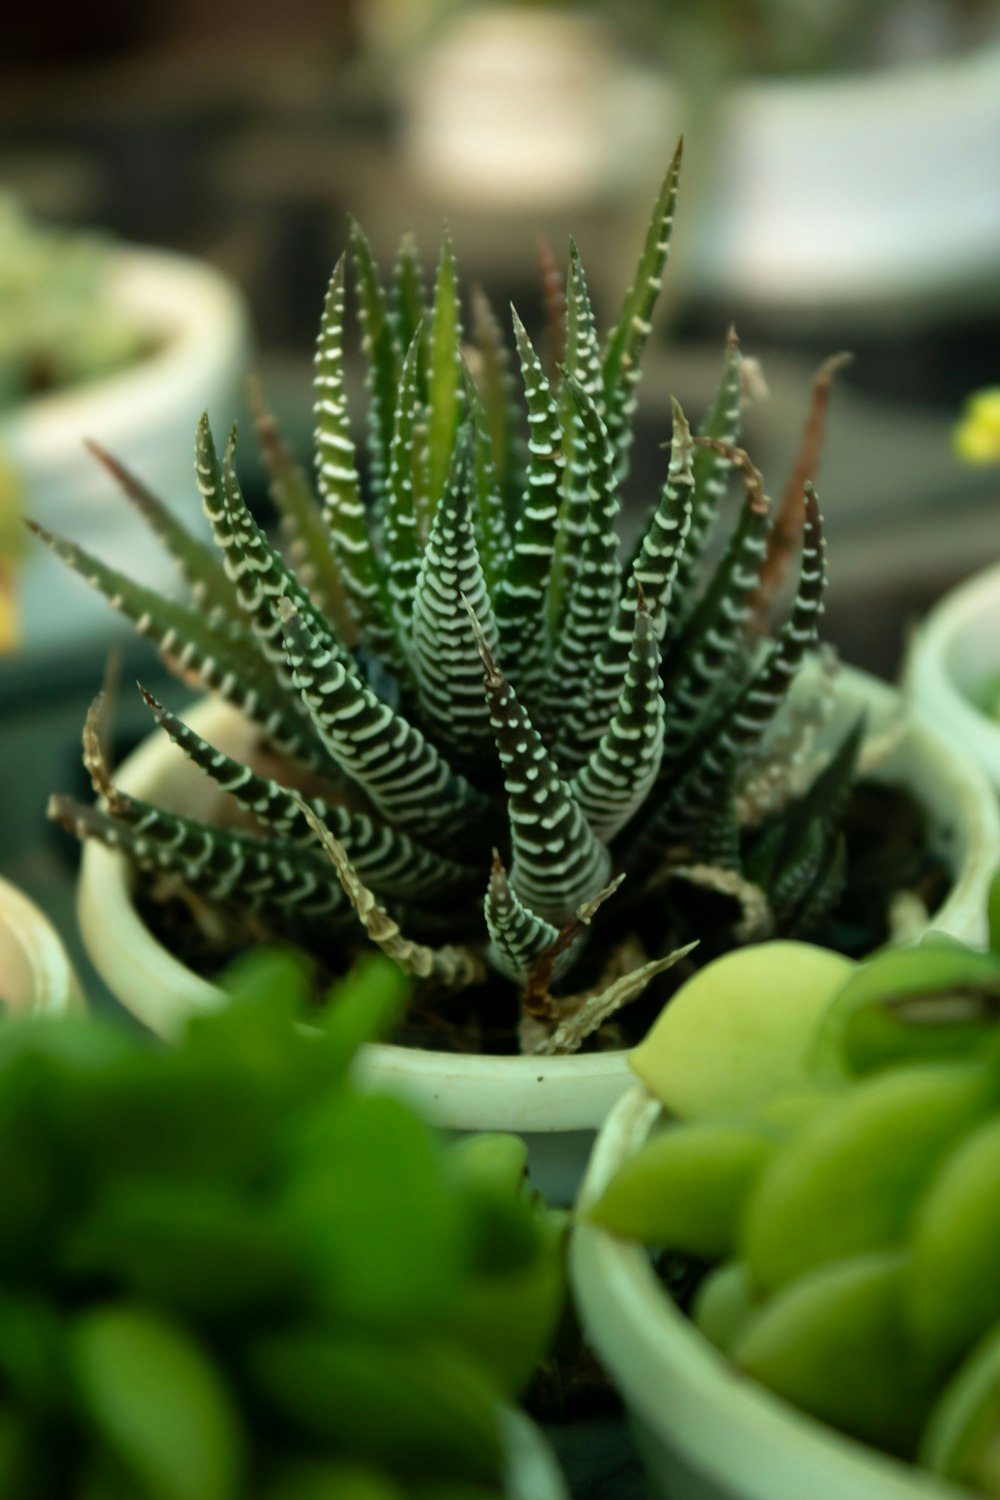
(199, 566)
(338, 478)
(497, 389)
(444, 380)
(488, 515)
(739, 727)
(652, 572)
(407, 305)
(582, 365)
(379, 852)
(446, 658)
(615, 780)
(710, 468)
(303, 527)
(711, 648)
(400, 539)
(495, 719)
(521, 598)
(216, 656)
(517, 935)
(401, 772)
(622, 364)
(595, 587)
(558, 862)
(382, 353)
(281, 882)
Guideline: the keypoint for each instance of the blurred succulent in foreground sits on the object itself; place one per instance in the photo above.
(203, 1279)
(470, 686)
(831, 1185)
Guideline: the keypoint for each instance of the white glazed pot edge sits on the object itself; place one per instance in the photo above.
(959, 629)
(532, 1094)
(692, 1406)
(48, 985)
(178, 298)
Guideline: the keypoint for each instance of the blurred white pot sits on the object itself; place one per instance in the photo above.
(705, 1430)
(36, 976)
(849, 192)
(953, 657)
(515, 108)
(555, 1102)
(144, 415)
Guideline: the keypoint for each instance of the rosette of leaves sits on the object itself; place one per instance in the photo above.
(227, 1274)
(485, 717)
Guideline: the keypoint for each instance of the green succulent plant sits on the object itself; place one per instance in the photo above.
(488, 717)
(58, 324)
(201, 1280)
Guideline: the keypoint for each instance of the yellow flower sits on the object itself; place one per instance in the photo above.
(977, 435)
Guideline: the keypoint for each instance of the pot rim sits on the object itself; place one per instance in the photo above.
(929, 675)
(750, 1442)
(182, 302)
(56, 990)
(532, 1093)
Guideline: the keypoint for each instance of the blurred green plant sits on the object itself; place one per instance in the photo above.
(59, 322)
(977, 434)
(227, 1274)
(13, 539)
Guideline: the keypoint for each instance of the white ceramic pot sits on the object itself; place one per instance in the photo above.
(557, 1103)
(144, 415)
(515, 108)
(36, 976)
(705, 1430)
(953, 657)
(855, 191)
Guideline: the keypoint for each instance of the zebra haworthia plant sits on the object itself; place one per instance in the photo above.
(488, 718)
